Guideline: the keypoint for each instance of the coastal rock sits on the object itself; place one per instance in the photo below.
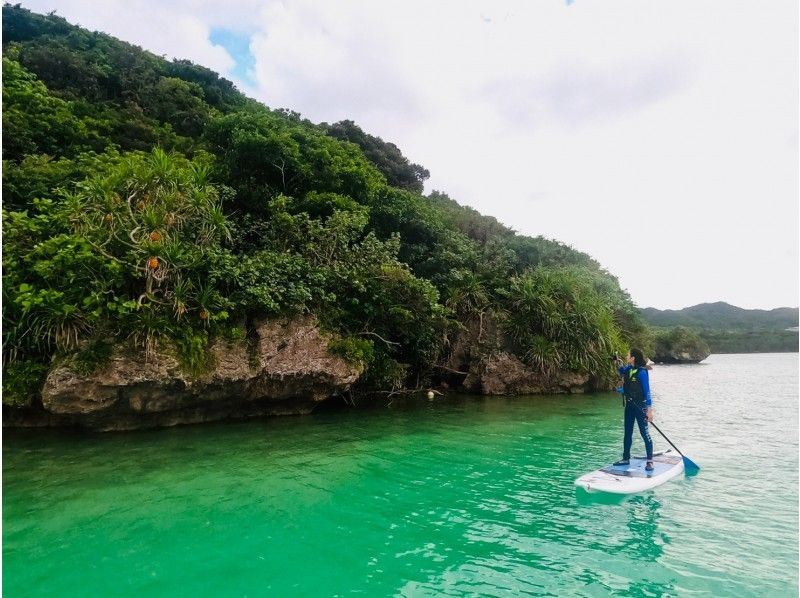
(294, 360)
(680, 345)
(284, 368)
(504, 374)
(482, 362)
(680, 357)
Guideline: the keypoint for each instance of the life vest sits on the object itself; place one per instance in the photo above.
(632, 387)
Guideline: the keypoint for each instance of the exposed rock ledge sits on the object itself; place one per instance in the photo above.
(285, 369)
(504, 374)
(484, 353)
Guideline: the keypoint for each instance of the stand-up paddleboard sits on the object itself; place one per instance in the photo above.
(628, 479)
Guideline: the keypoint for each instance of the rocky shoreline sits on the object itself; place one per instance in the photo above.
(284, 368)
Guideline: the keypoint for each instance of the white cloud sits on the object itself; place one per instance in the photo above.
(661, 138)
(326, 54)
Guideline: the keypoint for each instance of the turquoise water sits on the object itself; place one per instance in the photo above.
(459, 496)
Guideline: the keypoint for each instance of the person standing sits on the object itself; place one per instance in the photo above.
(638, 405)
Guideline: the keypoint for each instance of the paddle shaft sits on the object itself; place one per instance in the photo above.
(660, 432)
(667, 439)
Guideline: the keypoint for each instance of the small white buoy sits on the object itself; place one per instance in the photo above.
(430, 395)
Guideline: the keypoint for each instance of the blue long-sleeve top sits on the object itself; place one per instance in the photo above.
(644, 378)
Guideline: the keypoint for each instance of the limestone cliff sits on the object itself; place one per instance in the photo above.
(285, 368)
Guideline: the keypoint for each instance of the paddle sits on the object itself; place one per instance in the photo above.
(688, 464)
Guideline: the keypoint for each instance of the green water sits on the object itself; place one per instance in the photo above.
(460, 496)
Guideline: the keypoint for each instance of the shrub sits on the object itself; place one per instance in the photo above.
(128, 251)
(192, 350)
(354, 350)
(93, 357)
(22, 382)
(561, 321)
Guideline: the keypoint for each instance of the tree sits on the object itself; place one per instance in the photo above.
(179, 103)
(34, 122)
(263, 154)
(397, 169)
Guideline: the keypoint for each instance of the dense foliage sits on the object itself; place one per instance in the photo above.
(751, 341)
(561, 320)
(127, 254)
(387, 157)
(149, 200)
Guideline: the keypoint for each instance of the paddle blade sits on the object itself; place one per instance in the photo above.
(690, 466)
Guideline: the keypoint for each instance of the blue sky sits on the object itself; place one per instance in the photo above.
(659, 137)
(237, 43)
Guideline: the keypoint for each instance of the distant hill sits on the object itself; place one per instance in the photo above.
(730, 329)
(723, 316)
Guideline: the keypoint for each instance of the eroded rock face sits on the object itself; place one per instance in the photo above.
(504, 374)
(294, 361)
(483, 354)
(285, 369)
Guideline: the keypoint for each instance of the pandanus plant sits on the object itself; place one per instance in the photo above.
(561, 321)
(155, 216)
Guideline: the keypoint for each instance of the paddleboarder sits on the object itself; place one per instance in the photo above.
(638, 405)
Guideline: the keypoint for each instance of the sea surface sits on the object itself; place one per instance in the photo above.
(459, 496)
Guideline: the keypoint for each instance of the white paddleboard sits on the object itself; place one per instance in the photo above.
(628, 479)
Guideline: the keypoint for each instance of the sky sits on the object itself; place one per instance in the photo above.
(661, 138)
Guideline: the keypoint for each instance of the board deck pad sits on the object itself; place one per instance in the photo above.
(632, 478)
(661, 464)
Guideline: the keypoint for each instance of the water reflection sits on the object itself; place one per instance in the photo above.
(585, 498)
(641, 540)
(646, 543)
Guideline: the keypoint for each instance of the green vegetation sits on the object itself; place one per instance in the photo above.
(21, 381)
(149, 201)
(562, 321)
(399, 172)
(754, 341)
(354, 350)
(723, 316)
(93, 357)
